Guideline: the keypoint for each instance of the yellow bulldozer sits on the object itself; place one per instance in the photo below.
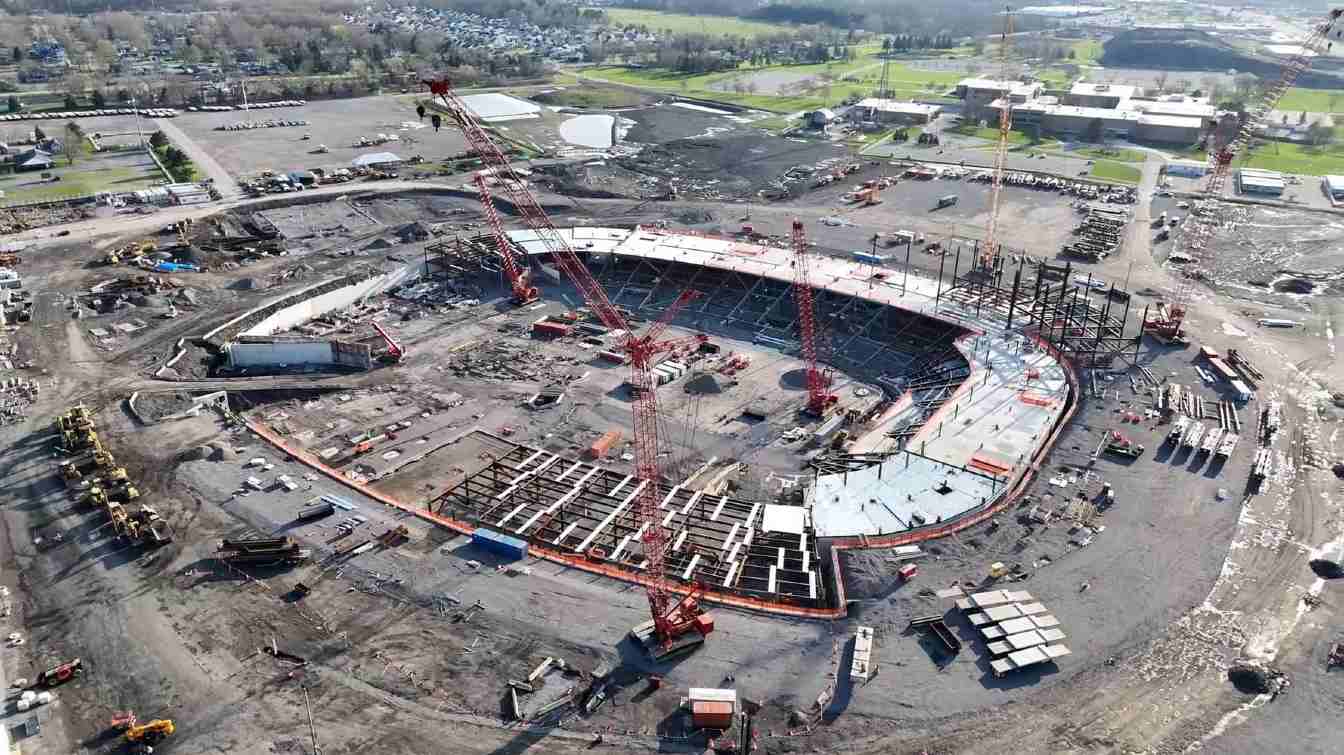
(150, 733)
(116, 476)
(125, 494)
(94, 496)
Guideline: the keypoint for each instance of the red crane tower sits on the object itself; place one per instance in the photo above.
(818, 385)
(523, 292)
(1223, 149)
(675, 624)
(990, 252)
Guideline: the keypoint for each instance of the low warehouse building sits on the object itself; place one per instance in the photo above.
(980, 96)
(895, 112)
(1168, 129)
(1266, 182)
(1108, 96)
(377, 160)
(1077, 122)
(1187, 168)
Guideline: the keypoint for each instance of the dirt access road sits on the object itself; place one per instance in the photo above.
(224, 183)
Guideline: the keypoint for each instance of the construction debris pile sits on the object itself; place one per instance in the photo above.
(91, 475)
(16, 395)
(16, 220)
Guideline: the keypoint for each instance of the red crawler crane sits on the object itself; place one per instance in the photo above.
(523, 292)
(1203, 218)
(675, 625)
(818, 385)
(395, 351)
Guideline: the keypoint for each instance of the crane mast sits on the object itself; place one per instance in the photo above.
(671, 619)
(818, 396)
(1203, 219)
(990, 253)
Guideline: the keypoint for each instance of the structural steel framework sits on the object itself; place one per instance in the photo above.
(590, 510)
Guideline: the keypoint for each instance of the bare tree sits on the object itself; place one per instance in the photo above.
(1161, 81)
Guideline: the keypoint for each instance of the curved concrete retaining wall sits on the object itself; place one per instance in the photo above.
(303, 305)
(309, 308)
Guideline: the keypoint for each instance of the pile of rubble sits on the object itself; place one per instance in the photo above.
(499, 360)
(16, 395)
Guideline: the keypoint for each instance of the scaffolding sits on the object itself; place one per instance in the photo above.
(1084, 320)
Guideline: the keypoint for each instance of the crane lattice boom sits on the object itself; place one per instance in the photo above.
(991, 249)
(1203, 218)
(523, 293)
(818, 396)
(670, 618)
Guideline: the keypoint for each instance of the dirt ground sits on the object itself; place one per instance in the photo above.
(1192, 570)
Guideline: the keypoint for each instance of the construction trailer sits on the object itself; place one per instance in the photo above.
(864, 665)
(711, 708)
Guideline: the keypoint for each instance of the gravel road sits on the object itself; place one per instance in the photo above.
(223, 181)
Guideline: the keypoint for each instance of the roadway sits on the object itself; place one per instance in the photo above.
(224, 182)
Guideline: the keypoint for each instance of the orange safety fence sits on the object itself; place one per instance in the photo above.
(574, 560)
(737, 601)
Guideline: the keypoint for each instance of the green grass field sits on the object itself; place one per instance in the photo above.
(591, 97)
(1313, 100)
(89, 175)
(1018, 138)
(680, 23)
(1086, 52)
(1113, 154)
(1106, 170)
(1296, 158)
(858, 77)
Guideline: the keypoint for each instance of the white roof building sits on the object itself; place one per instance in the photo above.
(1101, 89)
(1189, 108)
(374, 159)
(900, 107)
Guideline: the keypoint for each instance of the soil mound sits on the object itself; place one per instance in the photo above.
(1326, 569)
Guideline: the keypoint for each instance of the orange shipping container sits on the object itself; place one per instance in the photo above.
(602, 445)
(708, 714)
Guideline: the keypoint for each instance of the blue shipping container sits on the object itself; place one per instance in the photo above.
(495, 542)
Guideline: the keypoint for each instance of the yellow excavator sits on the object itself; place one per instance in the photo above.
(118, 516)
(149, 733)
(116, 476)
(94, 496)
(126, 493)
